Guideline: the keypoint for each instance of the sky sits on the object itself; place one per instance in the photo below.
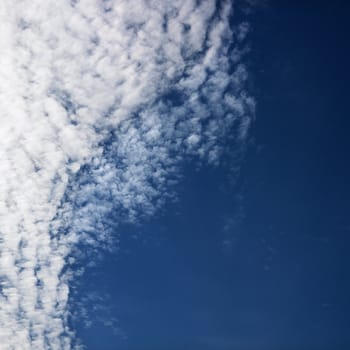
(174, 175)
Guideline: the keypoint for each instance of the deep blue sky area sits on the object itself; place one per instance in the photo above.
(262, 264)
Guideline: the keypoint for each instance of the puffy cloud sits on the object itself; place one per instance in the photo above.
(100, 102)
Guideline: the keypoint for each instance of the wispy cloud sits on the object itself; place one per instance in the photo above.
(100, 101)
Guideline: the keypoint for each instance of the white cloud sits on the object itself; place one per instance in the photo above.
(100, 101)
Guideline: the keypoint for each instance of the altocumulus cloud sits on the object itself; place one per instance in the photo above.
(100, 102)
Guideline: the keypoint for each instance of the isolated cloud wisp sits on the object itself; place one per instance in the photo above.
(100, 101)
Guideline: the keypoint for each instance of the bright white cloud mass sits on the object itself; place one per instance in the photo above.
(100, 100)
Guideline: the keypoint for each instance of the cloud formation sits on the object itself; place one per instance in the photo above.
(100, 101)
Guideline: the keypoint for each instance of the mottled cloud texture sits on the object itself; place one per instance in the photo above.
(100, 101)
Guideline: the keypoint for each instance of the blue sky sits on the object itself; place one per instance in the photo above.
(260, 262)
(174, 175)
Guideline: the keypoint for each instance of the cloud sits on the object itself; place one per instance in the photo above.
(101, 101)
(92, 309)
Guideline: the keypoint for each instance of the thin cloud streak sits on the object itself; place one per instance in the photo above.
(100, 102)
